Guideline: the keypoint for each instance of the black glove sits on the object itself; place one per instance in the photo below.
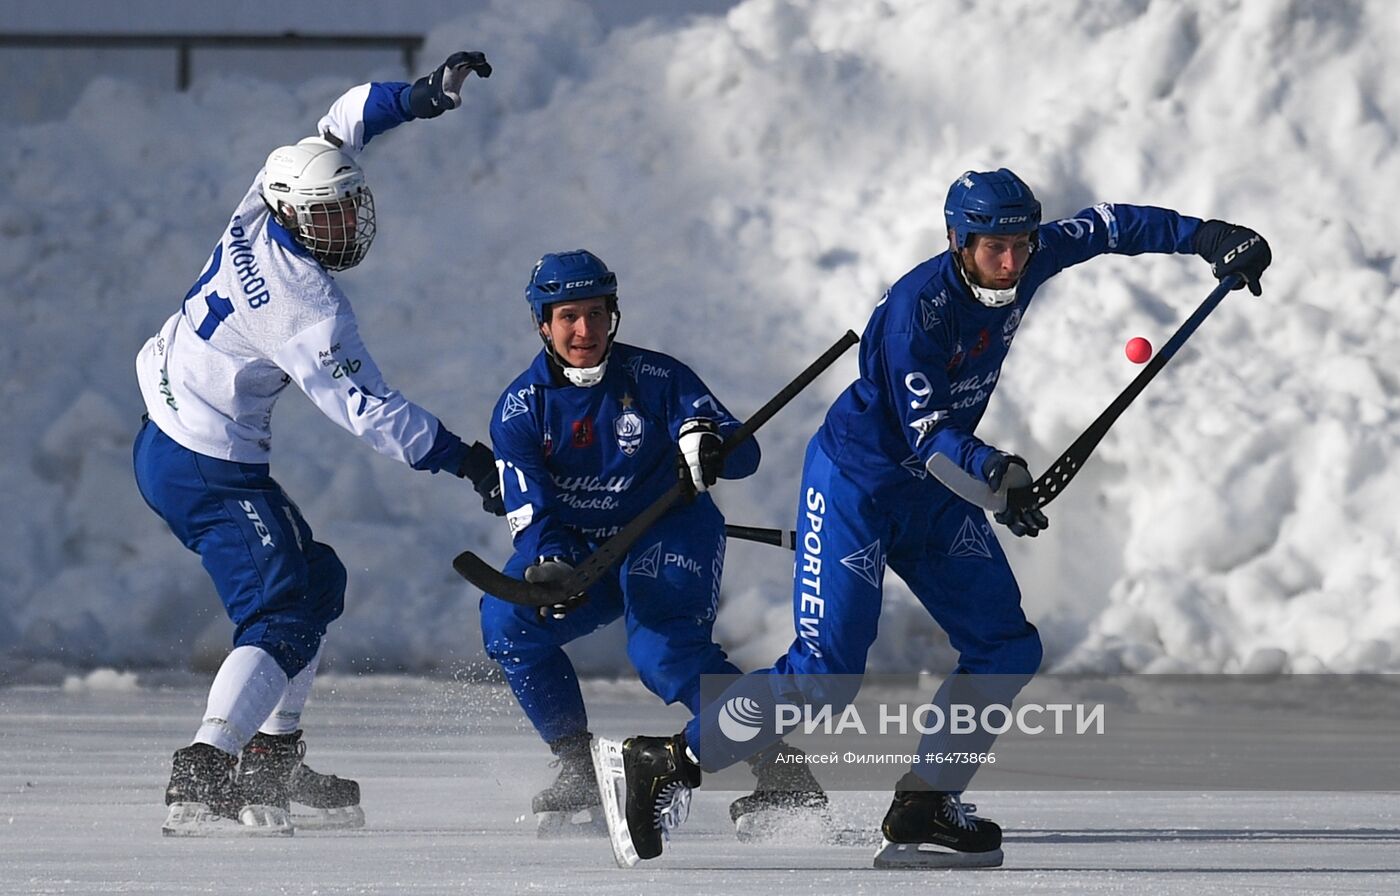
(1002, 469)
(700, 462)
(1232, 249)
(552, 569)
(480, 467)
(434, 94)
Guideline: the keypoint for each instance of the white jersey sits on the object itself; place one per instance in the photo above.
(264, 314)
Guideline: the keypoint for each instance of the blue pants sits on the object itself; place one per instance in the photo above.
(666, 589)
(944, 550)
(280, 587)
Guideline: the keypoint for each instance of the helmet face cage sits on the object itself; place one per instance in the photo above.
(990, 202)
(319, 193)
(337, 233)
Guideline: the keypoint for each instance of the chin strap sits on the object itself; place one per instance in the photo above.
(585, 376)
(992, 298)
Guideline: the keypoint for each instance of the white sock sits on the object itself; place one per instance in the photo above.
(248, 686)
(286, 716)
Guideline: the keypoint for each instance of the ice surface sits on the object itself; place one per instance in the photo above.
(447, 770)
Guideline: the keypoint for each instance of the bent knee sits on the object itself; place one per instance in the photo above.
(676, 678)
(1025, 654)
(837, 690)
(291, 641)
(1017, 656)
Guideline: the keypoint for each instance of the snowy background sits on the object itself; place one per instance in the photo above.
(756, 173)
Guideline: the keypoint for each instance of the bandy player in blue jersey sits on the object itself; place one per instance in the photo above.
(896, 477)
(266, 313)
(586, 438)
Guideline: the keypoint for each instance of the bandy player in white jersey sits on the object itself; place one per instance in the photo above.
(263, 314)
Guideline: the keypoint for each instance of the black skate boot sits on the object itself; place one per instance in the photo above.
(201, 773)
(273, 774)
(204, 798)
(645, 783)
(933, 829)
(573, 793)
(786, 798)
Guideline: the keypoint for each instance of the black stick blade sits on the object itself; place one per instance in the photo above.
(497, 584)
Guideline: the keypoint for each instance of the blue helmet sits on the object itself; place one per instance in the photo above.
(568, 277)
(990, 202)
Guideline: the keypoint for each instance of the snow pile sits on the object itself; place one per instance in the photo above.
(101, 681)
(757, 179)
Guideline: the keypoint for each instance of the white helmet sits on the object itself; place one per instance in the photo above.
(318, 193)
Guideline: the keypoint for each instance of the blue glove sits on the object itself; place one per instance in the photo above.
(434, 94)
(480, 467)
(1232, 249)
(1011, 471)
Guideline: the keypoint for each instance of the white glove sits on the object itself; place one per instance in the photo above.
(700, 442)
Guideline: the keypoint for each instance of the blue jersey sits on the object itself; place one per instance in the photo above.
(578, 463)
(931, 353)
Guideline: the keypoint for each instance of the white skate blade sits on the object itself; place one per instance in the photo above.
(339, 819)
(586, 823)
(930, 855)
(195, 820)
(612, 789)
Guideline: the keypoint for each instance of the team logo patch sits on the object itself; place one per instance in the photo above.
(984, 339)
(970, 542)
(519, 518)
(648, 563)
(629, 428)
(868, 563)
(1008, 329)
(925, 425)
(928, 314)
(583, 433)
(956, 360)
(915, 467)
(1105, 211)
(515, 406)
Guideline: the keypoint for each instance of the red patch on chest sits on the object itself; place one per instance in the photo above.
(583, 433)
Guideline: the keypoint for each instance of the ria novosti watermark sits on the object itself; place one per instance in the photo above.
(736, 719)
(1133, 732)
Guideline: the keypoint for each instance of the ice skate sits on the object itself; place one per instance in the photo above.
(932, 829)
(205, 801)
(570, 806)
(786, 802)
(645, 785)
(273, 773)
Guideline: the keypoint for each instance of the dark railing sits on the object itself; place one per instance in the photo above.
(185, 44)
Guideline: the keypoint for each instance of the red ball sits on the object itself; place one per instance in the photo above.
(1138, 350)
